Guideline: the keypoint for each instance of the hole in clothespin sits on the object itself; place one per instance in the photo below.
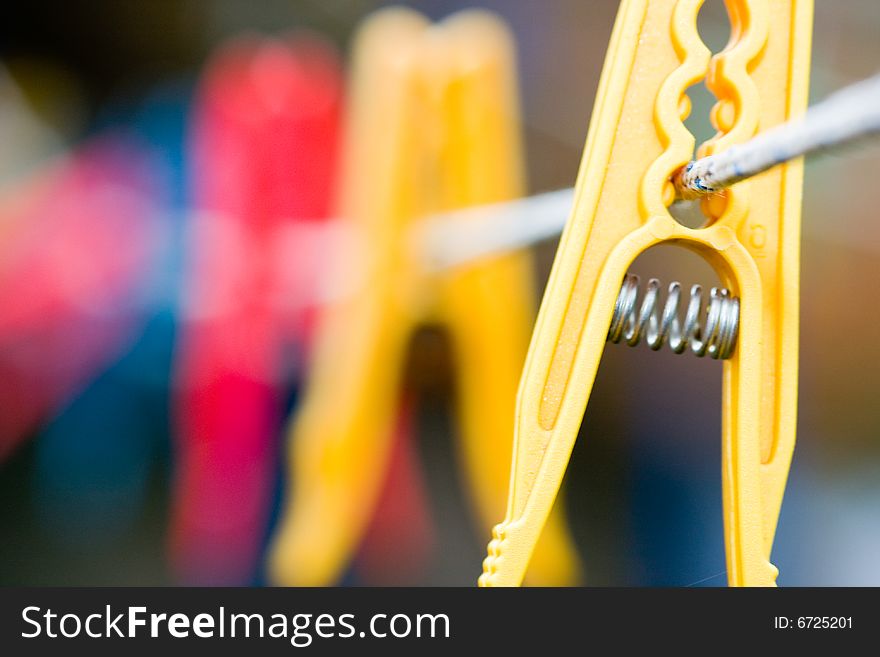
(696, 213)
(696, 107)
(702, 114)
(713, 25)
(689, 214)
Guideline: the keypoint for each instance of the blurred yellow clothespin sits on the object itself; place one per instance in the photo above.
(637, 143)
(433, 126)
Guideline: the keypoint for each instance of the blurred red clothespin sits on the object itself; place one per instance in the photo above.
(263, 159)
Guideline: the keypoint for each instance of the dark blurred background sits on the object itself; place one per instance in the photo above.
(643, 489)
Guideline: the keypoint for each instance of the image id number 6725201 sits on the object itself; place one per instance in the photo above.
(813, 622)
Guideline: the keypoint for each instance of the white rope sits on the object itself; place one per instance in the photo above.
(849, 114)
(457, 238)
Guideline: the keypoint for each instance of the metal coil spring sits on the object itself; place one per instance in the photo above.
(711, 332)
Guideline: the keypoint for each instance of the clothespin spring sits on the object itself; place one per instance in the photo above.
(711, 331)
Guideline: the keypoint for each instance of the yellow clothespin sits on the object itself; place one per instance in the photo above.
(636, 143)
(433, 126)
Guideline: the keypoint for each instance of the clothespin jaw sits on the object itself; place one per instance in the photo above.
(487, 306)
(341, 437)
(432, 127)
(636, 142)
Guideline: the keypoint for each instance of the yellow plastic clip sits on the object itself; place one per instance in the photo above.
(433, 126)
(636, 143)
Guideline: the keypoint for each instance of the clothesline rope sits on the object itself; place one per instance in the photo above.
(848, 115)
(457, 238)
